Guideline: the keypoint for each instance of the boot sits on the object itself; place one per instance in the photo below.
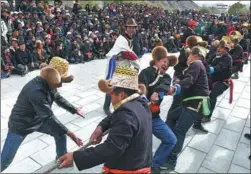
(247, 136)
(106, 106)
(200, 128)
(235, 76)
(205, 120)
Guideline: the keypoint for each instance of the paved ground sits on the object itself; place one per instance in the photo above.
(223, 150)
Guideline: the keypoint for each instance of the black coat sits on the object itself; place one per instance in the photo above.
(148, 76)
(194, 83)
(182, 64)
(23, 57)
(222, 68)
(236, 52)
(129, 143)
(33, 108)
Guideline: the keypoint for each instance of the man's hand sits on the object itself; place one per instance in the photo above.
(171, 91)
(96, 136)
(80, 112)
(77, 140)
(155, 97)
(66, 160)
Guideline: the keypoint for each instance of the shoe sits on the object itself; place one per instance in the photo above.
(247, 136)
(201, 129)
(249, 157)
(205, 120)
(155, 170)
(167, 167)
(235, 76)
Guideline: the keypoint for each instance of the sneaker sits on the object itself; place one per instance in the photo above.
(205, 120)
(201, 129)
(247, 136)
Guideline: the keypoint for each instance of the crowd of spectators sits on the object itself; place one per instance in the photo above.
(35, 31)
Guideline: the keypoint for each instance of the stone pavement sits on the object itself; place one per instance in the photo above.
(222, 150)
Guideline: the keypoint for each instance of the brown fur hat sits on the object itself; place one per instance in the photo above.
(192, 41)
(51, 75)
(215, 43)
(203, 44)
(159, 53)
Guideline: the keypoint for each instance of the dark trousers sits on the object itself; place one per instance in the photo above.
(14, 140)
(19, 69)
(177, 103)
(216, 91)
(179, 121)
(237, 66)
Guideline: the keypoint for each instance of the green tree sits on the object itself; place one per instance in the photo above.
(204, 10)
(237, 8)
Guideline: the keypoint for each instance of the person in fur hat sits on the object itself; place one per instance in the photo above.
(158, 83)
(128, 147)
(32, 111)
(220, 73)
(182, 65)
(237, 56)
(121, 54)
(195, 101)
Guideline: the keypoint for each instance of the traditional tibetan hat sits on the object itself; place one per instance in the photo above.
(61, 66)
(123, 77)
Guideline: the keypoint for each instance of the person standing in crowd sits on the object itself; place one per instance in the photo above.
(121, 54)
(128, 147)
(32, 111)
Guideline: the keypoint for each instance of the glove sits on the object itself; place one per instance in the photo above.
(211, 70)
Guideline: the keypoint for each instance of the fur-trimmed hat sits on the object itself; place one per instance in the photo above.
(61, 66)
(224, 44)
(123, 77)
(215, 43)
(192, 41)
(160, 52)
(199, 50)
(203, 44)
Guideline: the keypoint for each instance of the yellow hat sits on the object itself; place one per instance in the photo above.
(61, 65)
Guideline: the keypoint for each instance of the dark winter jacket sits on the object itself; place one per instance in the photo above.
(148, 76)
(222, 68)
(33, 108)
(194, 83)
(129, 143)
